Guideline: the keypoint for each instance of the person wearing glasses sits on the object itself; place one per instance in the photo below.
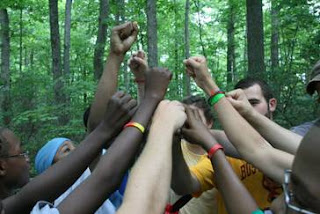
(14, 164)
(302, 192)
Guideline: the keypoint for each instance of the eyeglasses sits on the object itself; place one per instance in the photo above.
(288, 195)
(21, 155)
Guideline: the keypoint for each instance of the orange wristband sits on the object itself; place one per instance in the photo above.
(214, 149)
(136, 125)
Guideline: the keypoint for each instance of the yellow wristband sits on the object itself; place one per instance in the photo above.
(136, 125)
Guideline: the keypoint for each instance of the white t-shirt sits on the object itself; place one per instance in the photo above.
(43, 207)
(106, 208)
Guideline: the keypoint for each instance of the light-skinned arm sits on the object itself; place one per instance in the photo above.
(139, 65)
(121, 39)
(156, 160)
(249, 143)
(276, 135)
(226, 180)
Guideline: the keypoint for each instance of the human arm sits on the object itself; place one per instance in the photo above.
(276, 135)
(222, 138)
(156, 160)
(122, 38)
(249, 143)
(120, 156)
(138, 65)
(225, 178)
(56, 179)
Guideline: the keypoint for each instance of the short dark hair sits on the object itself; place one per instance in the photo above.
(250, 81)
(201, 103)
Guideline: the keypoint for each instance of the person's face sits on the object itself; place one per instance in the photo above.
(65, 149)
(15, 167)
(258, 101)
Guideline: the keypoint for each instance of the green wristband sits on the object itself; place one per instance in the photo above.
(213, 100)
(258, 211)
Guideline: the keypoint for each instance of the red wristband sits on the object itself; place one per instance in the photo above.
(214, 149)
(215, 92)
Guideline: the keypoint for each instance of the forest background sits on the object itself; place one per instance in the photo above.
(53, 52)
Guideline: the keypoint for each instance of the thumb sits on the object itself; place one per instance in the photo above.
(235, 103)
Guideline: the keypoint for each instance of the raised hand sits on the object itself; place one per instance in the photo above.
(157, 81)
(138, 65)
(123, 36)
(195, 131)
(239, 101)
(119, 111)
(170, 112)
(197, 68)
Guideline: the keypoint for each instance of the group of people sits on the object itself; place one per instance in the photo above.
(143, 156)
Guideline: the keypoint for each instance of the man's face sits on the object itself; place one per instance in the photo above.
(17, 167)
(258, 101)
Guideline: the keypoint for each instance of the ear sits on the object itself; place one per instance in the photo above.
(272, 104)
(3, 167)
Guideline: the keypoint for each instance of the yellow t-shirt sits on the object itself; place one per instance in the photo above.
(262, 189)
(207, 202)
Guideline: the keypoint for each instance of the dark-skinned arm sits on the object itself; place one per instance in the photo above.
(120, 156)
(58, 178)
(225, 178)
(121, 39)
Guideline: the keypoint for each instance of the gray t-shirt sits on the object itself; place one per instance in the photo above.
(303, 128)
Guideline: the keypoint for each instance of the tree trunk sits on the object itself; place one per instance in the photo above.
(67, 26)
(5, 67)
(56, 58)
(187, 46)
(274, 37)
(256, 65)
(20, 41)
(152, 33)
(101, 39)
(197, 4)
(231, 45)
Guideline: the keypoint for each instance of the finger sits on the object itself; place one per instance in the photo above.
(133, 111)
(125, 99)
(131, 104)
(197, 114)
(141, 54)
(121, 27)
(119, 94)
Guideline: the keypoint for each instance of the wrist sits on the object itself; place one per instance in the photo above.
(210, 86)
(119, 57)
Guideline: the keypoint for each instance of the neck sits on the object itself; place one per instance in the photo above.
(195, 149)
(5, 191)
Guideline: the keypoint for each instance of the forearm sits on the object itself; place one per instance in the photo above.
(276, 135)
(222, 138)
(151, 173)
(140, 87)
(48, 185)
(182, 179)
(111, 167)
(107, 86)
(231, 187)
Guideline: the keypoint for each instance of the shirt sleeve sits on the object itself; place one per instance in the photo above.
(43, 207)
(203, 171)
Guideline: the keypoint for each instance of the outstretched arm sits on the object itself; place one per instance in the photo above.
(249, 143)
(138, 65)
(225, 178)
(122, 38)
(276, 135)
(156, 161)
(54, 181)
(112, 166)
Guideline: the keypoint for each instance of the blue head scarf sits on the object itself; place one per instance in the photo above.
(45, 155)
